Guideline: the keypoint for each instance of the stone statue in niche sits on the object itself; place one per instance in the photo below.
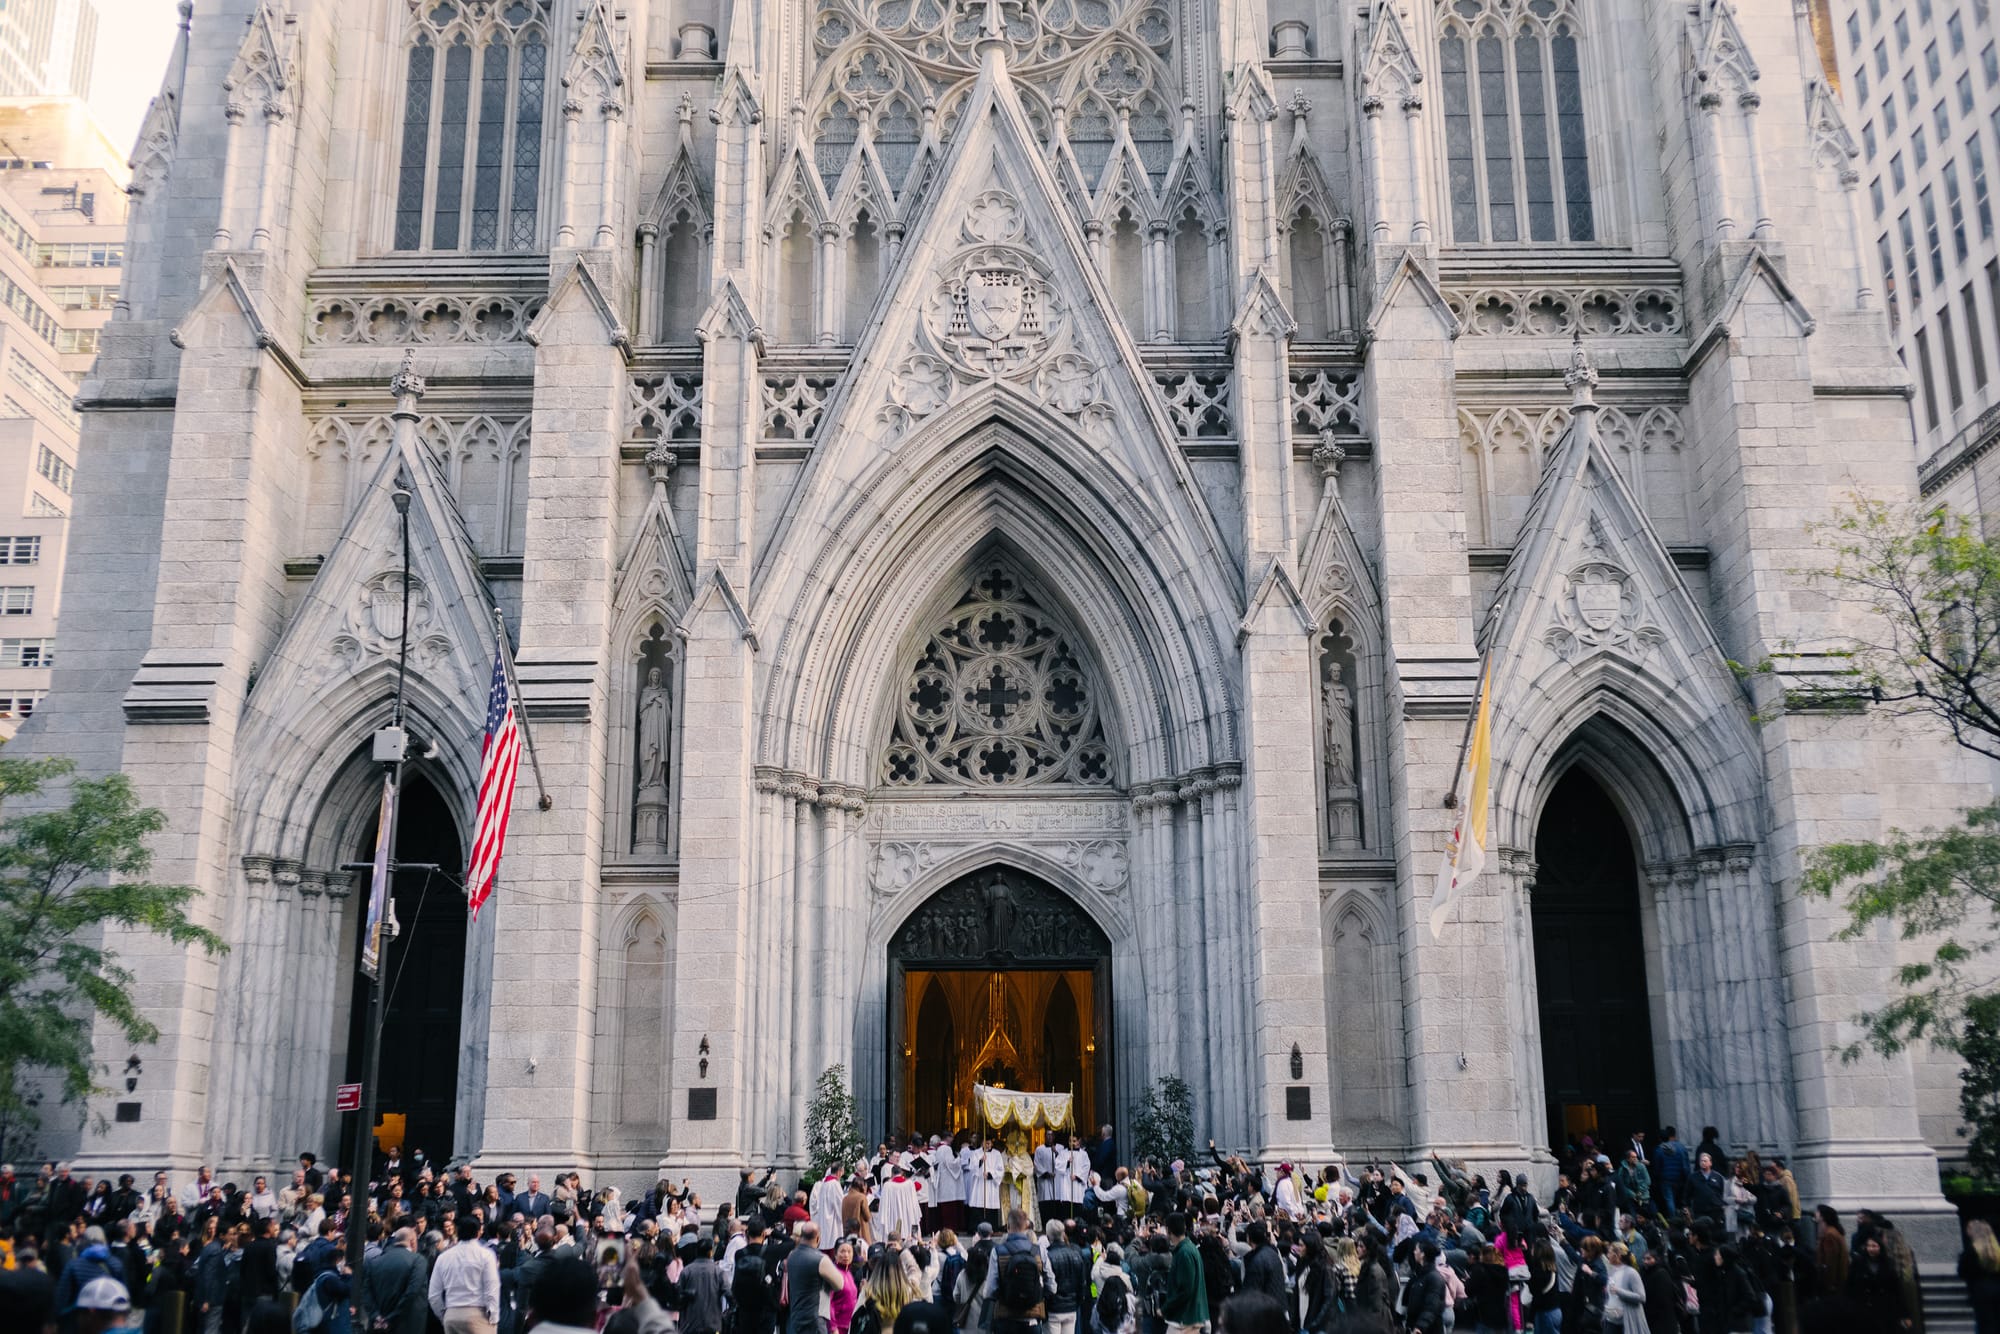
(1343, 790)
(655, 727)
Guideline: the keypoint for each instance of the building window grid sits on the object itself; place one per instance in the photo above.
(21, 550)
(1975, 340)
(1924, 383)
(1982, 202)
(1898, 182)
(1901, 29)
(1920, 148)
(56, 468)
(1861, 83)
(1966, 97)
(1887, 255)
(1911, 94)
(1948, 350)
(21, 706)
(1954, 203)
(1954, 31)
(1933, 66)
(79, 254)
(76, 340)
(27, 652)
(1933, 236)
(73, 296)
(1941, 118)
(17, 599)
(1909, 239)
(41, 507)
(1889, 121)
(41, 385)
(1989, 64)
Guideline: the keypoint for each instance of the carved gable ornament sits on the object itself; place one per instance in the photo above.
(373, 625)
(1600, 607)
(994, 313)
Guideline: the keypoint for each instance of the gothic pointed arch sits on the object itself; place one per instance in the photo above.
(329, 679)
(1342, 598)
(595, 69)
(1593, 617)
(1363, 1037)
(680, 216)
(1156, 618)
(1722, 56)
(265, 69)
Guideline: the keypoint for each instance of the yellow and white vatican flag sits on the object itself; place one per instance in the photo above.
(1465, 854)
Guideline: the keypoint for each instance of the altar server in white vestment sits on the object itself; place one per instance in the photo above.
(824, 1203)
(901, 1213)
(982, 1185)
(1045, 1176)
(1079, 1176)
(948, 1184)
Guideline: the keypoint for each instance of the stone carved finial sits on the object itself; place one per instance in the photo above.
(1327, 456)
(406, 383)
(1300, 105)
(1581, 376)
(993, 31)
(660, 462)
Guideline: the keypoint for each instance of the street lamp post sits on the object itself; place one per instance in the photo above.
(391, 746)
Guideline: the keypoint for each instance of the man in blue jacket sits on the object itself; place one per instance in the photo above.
(1671, 1170)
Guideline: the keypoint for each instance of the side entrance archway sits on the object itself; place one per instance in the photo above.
(1590, 969)
(998, 978)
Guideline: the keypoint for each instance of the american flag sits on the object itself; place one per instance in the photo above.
(498, 760)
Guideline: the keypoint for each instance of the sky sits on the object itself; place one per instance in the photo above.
(133, 40)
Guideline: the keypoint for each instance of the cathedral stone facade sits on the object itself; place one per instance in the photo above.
(1024, 484)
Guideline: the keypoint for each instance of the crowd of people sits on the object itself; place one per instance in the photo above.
(973, 1236)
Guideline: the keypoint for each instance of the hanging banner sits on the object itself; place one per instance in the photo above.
(378, 889)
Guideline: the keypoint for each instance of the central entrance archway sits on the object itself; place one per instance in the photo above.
(998, 978)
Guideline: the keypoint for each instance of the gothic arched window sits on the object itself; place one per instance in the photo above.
(469, 163)
(1513, 118)
(998, 696)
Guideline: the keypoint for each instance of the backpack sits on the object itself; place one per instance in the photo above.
(1112, 1303)
(311, 1314)
(954, 1265)
(1020, 1286)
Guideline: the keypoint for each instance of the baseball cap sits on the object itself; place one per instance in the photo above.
(104, 1294)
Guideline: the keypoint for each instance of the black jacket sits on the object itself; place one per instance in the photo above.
(260, 1271)
(751, 1295)
(1423, 1302)
(1486, 1287)
(1264, 1271)
(1071, 1267)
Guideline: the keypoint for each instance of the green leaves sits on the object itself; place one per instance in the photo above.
(71, 875)
(833, 1125)
(1163, 1127)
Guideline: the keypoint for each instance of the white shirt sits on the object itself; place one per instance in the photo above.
(824, 1206)
(192, 1194)
(466, 1275)
(948, 1173)
(264, 1204)
(1045, 1173)
(901, 1212)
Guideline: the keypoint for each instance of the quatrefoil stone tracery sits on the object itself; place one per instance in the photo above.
(997, 698)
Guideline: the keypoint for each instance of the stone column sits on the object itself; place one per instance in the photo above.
(269, 172)
(233, 113)
(1718, 168)
(1371, 110)
(607, 181)
(1850, 198)
(1760, 208)
(1420, 227)
(572, 115)
(649, 283)
(1343, 277)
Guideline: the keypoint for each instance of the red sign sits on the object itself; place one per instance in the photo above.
(347, 1098)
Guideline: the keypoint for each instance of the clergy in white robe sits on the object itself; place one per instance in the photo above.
(982, 1184)
(824, 1203)
(948, 1186)
(901, 1213)
(1079, 1175)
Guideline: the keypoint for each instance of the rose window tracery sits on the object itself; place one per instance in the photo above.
(998, 697)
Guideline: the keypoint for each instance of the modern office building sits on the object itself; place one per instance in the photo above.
(1920, 80)
(62, 216)
(48, 48)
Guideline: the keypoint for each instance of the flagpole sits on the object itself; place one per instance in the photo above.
(544, 801)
